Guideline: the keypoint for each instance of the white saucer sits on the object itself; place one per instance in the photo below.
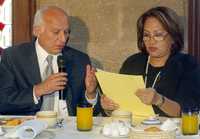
(151, 122)
(188, 136)
(122, 136)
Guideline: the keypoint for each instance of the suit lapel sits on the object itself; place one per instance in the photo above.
(33, 66)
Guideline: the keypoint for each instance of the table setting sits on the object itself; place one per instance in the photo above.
(121, 126)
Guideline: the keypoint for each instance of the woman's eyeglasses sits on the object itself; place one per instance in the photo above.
(156, 36)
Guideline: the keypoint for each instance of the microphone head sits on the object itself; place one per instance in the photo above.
(60, 61)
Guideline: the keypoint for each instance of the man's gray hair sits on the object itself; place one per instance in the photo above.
(38, 19)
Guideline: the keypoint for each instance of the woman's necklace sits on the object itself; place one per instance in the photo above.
(146, 73)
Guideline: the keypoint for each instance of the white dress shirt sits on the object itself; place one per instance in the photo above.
(41, 56)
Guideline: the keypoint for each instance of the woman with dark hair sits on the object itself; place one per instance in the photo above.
(168, 73)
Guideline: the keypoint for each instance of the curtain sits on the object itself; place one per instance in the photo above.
(23, 14)
(194, 28)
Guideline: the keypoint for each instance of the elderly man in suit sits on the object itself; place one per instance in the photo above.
(24, 84)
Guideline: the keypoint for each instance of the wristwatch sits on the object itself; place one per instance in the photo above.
(161, 101)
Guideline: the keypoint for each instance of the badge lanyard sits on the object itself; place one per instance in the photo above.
(146, 73)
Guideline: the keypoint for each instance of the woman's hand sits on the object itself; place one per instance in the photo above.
(108, 104)
(148, 96)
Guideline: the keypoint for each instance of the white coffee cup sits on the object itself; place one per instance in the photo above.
(49, 116)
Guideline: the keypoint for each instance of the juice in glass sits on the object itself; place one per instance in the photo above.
(84, 117)
(190, 122)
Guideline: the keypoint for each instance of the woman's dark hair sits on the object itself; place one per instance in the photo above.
(169, 20)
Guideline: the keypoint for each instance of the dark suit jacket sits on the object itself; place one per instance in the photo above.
(19, 72)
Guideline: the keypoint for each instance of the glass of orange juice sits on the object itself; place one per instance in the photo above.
(84, 116)
(190, 121)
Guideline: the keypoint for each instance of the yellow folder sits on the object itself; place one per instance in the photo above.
(121, 89)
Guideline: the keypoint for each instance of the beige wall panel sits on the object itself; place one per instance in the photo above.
(106, 29)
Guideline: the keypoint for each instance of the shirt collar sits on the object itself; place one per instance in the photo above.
(42, 53)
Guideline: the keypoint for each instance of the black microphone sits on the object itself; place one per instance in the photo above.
(61, 68)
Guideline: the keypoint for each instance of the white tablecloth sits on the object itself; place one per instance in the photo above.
(70, 132)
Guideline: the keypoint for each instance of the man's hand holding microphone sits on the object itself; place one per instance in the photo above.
(55, 82)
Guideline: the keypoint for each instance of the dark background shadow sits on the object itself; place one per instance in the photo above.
(79, 38)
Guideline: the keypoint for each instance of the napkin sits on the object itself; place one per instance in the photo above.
(28, 129)
(169, 125)
(116, 129)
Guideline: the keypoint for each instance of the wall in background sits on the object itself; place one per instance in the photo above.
(106, 29)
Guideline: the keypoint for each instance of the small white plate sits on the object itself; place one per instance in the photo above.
(110, 136)
(188, 137)
(151, 122)
(4, 119)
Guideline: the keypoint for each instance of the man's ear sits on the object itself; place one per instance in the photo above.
(37, 30)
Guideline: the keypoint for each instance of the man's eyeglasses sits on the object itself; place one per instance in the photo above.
(156, 36)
